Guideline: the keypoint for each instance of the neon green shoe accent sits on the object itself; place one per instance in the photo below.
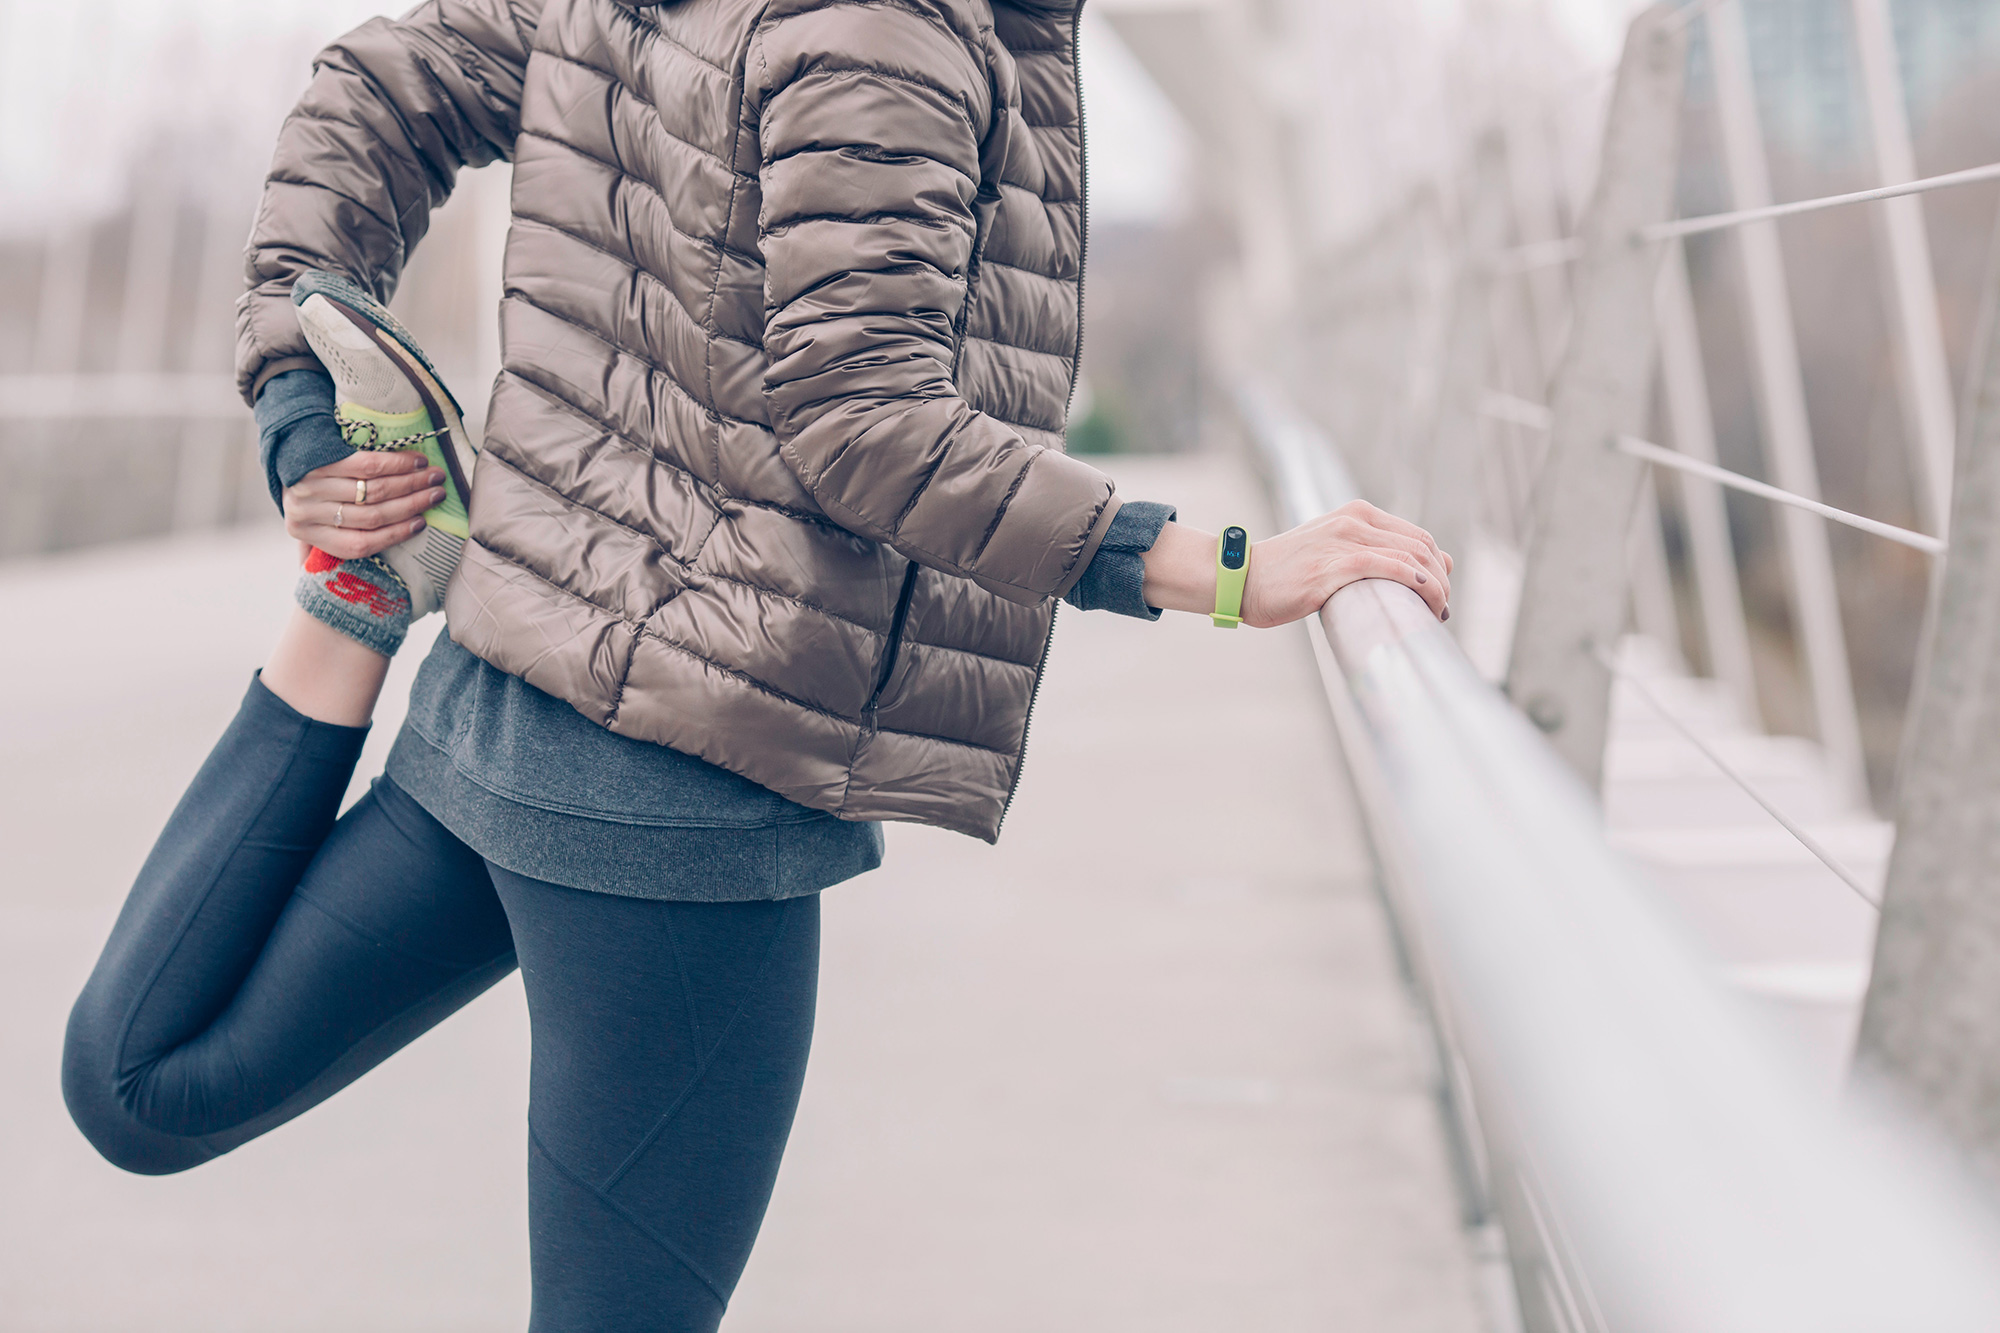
(365, 428)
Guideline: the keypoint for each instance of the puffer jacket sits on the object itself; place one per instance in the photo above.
(773, 471)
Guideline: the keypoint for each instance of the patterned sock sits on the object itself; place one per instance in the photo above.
(363, 599)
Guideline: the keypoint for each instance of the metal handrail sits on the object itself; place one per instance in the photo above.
(1653, 1157)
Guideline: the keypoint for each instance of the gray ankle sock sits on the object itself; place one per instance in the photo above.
(363, 599)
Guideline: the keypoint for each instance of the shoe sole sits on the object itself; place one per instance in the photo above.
(397, 343)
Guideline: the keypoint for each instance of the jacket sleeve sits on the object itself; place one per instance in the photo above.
(394, 109)
(870, 127)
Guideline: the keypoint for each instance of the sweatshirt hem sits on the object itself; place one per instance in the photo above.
(681, 862)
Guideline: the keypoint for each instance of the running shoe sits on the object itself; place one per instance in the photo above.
(387, 395)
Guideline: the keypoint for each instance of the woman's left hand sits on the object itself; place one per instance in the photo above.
(1292, 574)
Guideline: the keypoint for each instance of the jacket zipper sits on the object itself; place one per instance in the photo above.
(895, 642)
(1083, 210)
(1075, 370)
(982, 234)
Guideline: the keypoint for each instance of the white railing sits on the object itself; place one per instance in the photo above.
(1652, 1157)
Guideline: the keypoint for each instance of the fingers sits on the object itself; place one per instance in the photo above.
(1388, 522)
(320, 510)
(371, 463)
(346, 514)
(320, 485)
(1400, 568)
(1382, 518)
(1401, 534)
(1354, 526)
(1432, 562)
(353, 543)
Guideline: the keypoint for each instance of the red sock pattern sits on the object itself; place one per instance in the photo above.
(363, 599)
(350, 587)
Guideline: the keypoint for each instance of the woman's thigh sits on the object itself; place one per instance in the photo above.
(670, 1044)
(394, 927)
(235, 1001)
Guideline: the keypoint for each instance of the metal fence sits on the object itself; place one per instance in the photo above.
(1651, 1157)
(1646, 1150)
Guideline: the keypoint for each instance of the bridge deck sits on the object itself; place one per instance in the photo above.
(1145, 1065)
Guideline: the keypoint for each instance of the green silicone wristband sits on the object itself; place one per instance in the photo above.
(1232, 567)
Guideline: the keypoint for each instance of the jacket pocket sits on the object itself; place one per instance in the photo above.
(895, 645)
(985, 208)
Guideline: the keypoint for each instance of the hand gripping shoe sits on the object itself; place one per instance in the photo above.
(387, 395)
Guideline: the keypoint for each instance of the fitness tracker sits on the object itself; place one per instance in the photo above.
(1232, 566)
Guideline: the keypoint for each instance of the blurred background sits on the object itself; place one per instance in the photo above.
(1328, 186)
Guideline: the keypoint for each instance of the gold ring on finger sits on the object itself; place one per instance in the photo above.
(361, 490)
(337, 521)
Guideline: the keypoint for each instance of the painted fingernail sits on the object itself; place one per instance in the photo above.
(1421, 578)
(437, 496)
(1446, 615)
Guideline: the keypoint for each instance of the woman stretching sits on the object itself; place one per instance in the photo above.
(762, 549)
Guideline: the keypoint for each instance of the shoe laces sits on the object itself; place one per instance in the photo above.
(366, 435)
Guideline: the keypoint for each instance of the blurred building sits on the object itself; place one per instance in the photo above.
(1808, 78)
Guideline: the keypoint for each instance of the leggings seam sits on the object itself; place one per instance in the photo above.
(389, 1021)
(236, 1063)
(631, 1219)
(687, 982)
(187, 924)
(705, 1061)
(356, 929)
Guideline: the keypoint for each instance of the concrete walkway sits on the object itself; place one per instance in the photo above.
(1146, 1065)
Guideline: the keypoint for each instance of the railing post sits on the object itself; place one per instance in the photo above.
(1931, 1022)
(1718, 587)
(1781, 406)
(1909, 285)
(1451, 483)
(1573, 597)
(1653, 612)
(1543, 291)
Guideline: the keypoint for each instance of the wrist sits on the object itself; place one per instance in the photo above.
(1180, 570)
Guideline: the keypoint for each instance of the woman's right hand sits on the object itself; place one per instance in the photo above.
(322, 508)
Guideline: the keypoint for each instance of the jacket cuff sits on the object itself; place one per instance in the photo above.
(1091, 543)
(1115, 578)
(296, 430)
(275, 367)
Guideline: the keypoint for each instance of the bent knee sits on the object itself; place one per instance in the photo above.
(90, 1091)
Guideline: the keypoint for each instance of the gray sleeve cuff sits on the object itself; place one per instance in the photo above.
(296, 432)
(1116, 577)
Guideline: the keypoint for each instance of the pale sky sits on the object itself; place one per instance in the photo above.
(83, 85)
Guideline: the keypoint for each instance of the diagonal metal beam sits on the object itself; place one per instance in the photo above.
(1573, 596)
(1781, 406)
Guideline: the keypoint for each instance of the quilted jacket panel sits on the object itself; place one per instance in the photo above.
(773, 469)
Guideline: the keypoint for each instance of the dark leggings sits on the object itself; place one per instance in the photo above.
(270, 955)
